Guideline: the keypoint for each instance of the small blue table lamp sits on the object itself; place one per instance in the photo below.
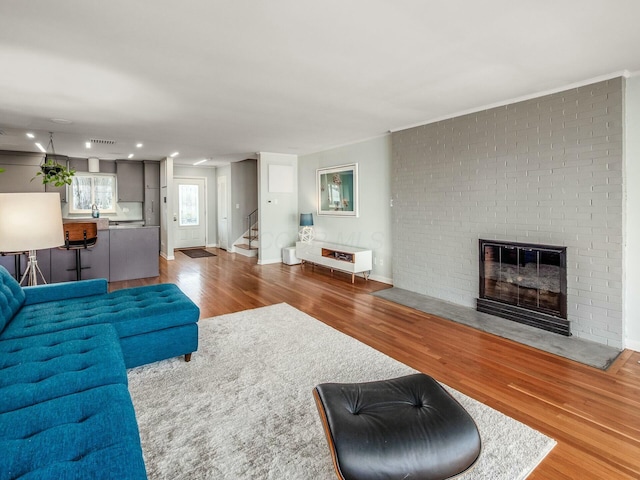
(306, 232)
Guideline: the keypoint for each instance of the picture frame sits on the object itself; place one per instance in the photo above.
(337, 190)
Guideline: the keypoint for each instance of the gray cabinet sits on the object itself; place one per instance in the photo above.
(18, 179)
(151, 174)
(134, 253)
(151, 193)
(61, 190)
(130, 181)
(96, 258)
(152, 206)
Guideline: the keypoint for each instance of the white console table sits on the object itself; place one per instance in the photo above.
(336, 257)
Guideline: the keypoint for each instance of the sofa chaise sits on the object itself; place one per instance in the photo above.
(65, 410)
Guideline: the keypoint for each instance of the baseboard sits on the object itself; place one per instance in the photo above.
(167, 257)
(213, 245)
(632, 344)
(381, 279)
(269, 262)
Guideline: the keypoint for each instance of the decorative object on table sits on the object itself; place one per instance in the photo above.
(305, 234)
(30, 222)
(95, 213)
(51, 170)
(337, 189)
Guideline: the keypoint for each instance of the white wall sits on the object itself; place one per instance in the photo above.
(209, 174)
(632, 221)
(278, 211)
(372, 228)
(166, 201)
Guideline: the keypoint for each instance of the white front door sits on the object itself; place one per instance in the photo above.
(223, 213)
(189, 220)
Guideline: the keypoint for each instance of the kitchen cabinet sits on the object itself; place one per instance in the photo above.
(152, 206)
(61, 190)
(151, 193)
(95, 261)
(134, 253)
(151, 174)
(130, 177)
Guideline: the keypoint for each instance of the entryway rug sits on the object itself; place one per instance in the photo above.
(197, 253)
(584, 351)
(243, 407)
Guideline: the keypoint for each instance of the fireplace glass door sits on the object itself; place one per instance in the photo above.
(528, 276)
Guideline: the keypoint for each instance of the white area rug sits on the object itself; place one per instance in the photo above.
(243, 407)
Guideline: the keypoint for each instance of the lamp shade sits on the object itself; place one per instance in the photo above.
(306, 219)
(30, 221)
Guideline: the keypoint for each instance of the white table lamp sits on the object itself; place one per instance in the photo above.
(30, 222)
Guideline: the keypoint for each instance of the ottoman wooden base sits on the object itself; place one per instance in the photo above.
(407, 427)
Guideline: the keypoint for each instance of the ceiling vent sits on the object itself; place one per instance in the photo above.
(98, 141)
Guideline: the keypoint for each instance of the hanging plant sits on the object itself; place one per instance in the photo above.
(53, 172)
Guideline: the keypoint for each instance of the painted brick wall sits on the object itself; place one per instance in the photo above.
(546, 170)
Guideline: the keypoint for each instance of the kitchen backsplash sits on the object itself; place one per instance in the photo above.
(125, 211)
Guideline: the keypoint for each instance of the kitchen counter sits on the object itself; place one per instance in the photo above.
(130, 225)
(122, 252)
(103, 223)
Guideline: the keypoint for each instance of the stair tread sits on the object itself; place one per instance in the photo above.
(244, 246)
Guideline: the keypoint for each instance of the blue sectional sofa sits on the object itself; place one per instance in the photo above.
(65, 410)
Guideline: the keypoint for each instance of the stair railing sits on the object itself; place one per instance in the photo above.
(252, 219)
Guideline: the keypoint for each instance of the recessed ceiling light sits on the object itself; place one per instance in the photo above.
(31, 135)
(130, 155)
(87, 144)
(200, 162)
(138, 145)
(61, 121)
(174, 154)
(41, 148)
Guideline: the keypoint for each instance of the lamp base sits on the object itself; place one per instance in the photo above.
(32, 271)
(306, 234)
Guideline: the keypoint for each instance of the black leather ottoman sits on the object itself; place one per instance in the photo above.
(407, 427)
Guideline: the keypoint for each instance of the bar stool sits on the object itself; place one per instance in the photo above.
(78, 237)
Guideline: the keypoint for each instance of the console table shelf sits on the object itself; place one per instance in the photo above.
(336, 257)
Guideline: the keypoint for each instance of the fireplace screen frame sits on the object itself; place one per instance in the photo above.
(527, 248)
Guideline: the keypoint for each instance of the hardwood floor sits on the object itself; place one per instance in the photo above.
(593, 415)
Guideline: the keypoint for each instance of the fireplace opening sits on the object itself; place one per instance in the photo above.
(525, 283)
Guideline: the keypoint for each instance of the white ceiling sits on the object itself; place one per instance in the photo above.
(223, 80)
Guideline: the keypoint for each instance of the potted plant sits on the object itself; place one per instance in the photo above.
(52, 171)
(55, 173)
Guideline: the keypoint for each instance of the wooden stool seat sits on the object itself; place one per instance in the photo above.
(79, 236)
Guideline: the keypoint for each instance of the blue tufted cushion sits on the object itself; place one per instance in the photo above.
(92, 434)
(11, 297)
(64, 291)
(132, 311)
(42, 367)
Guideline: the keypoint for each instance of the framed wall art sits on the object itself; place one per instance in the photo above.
(337, 189)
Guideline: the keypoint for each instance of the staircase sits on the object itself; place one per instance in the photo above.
(247, 245)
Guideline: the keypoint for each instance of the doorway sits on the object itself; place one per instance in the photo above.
(189, 213)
